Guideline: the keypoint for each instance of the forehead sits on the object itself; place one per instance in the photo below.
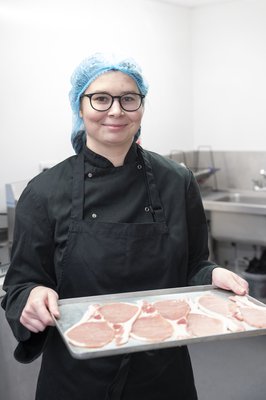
(113, 81)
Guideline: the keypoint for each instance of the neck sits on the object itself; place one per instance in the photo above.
(115, 154)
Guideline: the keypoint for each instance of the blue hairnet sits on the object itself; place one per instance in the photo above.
(90, 69)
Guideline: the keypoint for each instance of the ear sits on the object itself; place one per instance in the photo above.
(80, 113)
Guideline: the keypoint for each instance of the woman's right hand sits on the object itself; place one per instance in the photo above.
(36, 315)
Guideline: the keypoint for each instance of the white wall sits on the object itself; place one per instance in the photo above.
(206, 68)
(43, 41)
(229, 75)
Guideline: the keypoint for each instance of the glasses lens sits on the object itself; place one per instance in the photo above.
(131, 101)
(101, 101)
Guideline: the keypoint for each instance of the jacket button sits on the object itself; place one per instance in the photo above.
(147, 209)
(139, 166)
(89, 175)
(94, 215)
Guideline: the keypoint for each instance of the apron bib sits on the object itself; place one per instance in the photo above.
(105, 258)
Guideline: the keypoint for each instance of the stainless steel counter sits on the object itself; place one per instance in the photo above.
(236, 201)
(237, 215)
(4, 262)
(1, 285)
(17, 381)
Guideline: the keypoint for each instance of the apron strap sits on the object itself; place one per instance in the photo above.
(115, 389)
(154, 198)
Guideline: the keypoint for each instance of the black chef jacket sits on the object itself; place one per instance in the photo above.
(112, 194)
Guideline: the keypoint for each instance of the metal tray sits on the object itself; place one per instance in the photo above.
(72, 310)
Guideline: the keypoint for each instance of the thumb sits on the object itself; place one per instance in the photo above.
(52, 303)
(239, 285)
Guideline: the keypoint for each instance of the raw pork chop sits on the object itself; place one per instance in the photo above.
(91, 334)
(118, 312)
(172, 309)
(151, 328)
(203, 325)
(253, 314)
(222, 308)
(121, 316)
(216, 304)
(254, 317)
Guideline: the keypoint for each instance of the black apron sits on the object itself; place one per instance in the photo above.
(104, 258)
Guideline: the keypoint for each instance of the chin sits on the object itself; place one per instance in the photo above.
(117, 139)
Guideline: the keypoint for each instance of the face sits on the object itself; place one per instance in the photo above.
(114, 127)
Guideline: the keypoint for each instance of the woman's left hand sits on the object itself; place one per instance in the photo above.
(228, 280)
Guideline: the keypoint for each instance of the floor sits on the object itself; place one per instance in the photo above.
(232, 369)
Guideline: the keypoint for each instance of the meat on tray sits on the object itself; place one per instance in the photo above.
(223, 308)
(204, 325)
(173, 309)
(102, 320)
(118, 323)
(91, 334)
(151, 328)
(211, 303)
(253, 314)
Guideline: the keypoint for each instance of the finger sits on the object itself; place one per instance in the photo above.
(52, 304)
(41, 313)
(33, 325)
(239, 285)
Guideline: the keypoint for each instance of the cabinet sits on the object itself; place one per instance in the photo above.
(17, 381)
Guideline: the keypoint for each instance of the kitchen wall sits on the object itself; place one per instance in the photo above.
(205, 65)
(42, 42)
(229, 80)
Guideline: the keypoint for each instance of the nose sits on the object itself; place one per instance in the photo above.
(116, 108)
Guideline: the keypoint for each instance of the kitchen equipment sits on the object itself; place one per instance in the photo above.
(237, 216)
(197, 161)
(3, 269)
(202, 175)
(3, 227)
(256, 281)
(13, 193)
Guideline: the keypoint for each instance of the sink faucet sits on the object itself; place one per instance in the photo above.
(263, 173)
(258, 184)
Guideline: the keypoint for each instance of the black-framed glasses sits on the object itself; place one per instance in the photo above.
(104, 101)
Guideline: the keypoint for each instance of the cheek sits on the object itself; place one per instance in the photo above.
(137, 118)
(90, 116)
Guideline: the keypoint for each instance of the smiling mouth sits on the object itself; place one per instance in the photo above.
(115, 125)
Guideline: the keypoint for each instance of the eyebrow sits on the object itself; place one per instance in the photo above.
(122, 93)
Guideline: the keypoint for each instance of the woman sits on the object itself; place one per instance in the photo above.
(113, 218)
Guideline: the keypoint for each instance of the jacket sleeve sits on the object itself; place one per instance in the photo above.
(31, 265)
(199, 267)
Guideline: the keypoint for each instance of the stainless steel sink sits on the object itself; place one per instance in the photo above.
(238, 216)
(243, 199)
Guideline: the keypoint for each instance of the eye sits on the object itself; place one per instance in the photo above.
(128, 98)
(101, 98)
